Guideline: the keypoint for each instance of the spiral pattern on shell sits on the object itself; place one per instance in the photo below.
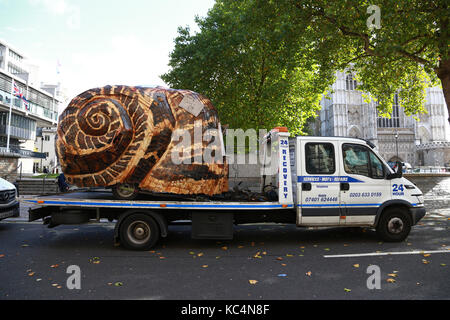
(122, 134)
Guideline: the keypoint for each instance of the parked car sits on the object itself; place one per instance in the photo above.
(9, 204)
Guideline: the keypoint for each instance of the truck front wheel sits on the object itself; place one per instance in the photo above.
(394, 225)
(139, 232)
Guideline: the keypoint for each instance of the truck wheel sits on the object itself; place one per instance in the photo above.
(125, 191)
(394, 225)
(139, 232)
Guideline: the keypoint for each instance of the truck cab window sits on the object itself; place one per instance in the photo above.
(360, 160)
(376, 166)
(319, 158)
(356, 159)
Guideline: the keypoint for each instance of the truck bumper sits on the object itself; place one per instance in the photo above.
(417, 214)
(10, 211)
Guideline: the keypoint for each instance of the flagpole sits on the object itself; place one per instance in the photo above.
(10, 112)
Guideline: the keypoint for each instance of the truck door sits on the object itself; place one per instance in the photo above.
(366, 187)
(318, 192)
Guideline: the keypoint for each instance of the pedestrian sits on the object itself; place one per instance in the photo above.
(62, 184)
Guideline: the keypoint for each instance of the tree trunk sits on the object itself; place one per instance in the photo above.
(443, 73)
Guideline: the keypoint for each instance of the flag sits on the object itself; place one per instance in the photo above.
(26, 104)
(19, 94)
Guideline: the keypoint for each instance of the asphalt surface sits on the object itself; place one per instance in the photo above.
(264, 261)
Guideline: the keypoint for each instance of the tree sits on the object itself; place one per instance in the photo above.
(406, 52)
(247, 60)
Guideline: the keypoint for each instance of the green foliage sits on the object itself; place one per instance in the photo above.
(405, 55)
(267, 63)
(246, 59)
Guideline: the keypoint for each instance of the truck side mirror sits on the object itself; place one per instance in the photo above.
(398, 173)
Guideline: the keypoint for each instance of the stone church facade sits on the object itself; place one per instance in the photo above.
(420, 143)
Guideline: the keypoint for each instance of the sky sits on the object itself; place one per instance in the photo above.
(98, 42)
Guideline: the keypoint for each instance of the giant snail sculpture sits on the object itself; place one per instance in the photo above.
(122, 138)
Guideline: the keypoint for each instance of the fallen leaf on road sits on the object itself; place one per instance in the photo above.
(96, 261)
(55, 284)
(54, 266)
(118, 284)
(253, 243)
(309, 273)
(25, 245)
(224, 248)
(425, 261)
(284, 264)
(161, 258)
(253, 281)
(427, 255)
(347, 290)
(390, 280)
(31, 274)
(289, 255)
(356, 265)
(443, 264)
(327, 249)
(392, 275)
(279, 258)
(240, 247)
(38, 279)
(205, 266)
(200, 254)
(2, 255)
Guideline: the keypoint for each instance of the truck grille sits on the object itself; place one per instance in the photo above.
(7, 196)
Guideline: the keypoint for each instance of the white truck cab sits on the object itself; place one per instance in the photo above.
(341, 181)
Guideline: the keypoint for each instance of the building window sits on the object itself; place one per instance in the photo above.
(350, 82)
(394, 121)
(319, 158)
(47, 138)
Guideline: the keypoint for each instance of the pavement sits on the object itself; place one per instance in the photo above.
(262, 262)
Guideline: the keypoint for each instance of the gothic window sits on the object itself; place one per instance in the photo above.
(350, 82)
(394, 121)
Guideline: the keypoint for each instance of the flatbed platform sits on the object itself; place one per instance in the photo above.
(104, 199)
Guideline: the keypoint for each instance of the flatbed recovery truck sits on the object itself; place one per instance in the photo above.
(320, 181)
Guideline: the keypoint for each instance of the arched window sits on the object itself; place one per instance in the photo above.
(350, 82)
(394, 121)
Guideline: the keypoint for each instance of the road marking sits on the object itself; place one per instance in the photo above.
(384, 253)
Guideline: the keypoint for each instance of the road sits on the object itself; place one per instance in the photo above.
(263, 261)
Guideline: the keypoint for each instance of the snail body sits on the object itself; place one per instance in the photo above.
(117, 135)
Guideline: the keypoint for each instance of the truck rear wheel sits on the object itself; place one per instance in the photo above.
(394, 225)
(139, 232)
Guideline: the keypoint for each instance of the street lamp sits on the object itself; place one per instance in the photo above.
(396, 143)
